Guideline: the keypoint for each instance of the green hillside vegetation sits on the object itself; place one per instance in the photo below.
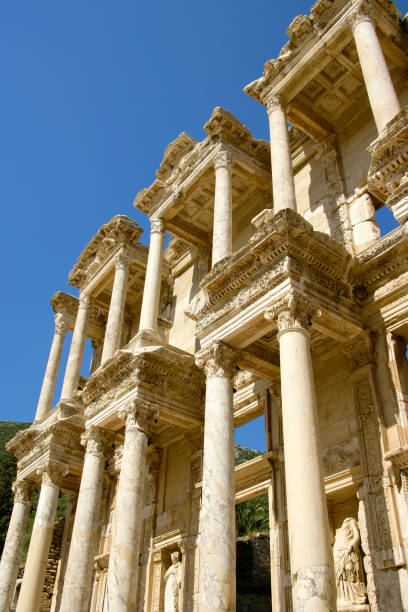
(251, 516)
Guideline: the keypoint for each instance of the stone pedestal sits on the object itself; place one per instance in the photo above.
(380, 89)
(37, 557)
(151, 291)
(76, 352)
(14, 543)
(77, 582)
(51, 372)
(222, 224)
(313, 586)
(116, 309)
(217, 520)
(124, 556)
(283, 185)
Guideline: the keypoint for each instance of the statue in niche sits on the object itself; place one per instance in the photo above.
(351, 589)
(172, 581)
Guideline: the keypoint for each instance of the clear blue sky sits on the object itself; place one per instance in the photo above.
(92, 92)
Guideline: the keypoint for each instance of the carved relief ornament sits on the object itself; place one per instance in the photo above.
(223, 159)
(52, 473)
(84, 300)
(122, 261)
(219, 359)
(138, 416)
(95, 440)
(156, 226)
(294, 311)
(275, 103)
(360, 350)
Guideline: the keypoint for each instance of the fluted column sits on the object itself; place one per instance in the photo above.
(151, 291)
(311, 562)
(116, 309)
(38, 551)
(283, 185)
(51, 372)
(76, 352)
(77, 582)
(222, 225)
(217, 520)
(124, 557)
(380, 89)
(14, 542)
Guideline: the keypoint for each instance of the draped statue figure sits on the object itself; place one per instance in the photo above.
(172, 580)
(347, 564)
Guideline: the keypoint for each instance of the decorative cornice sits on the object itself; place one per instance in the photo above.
(294, 311)
(223, 159)
(218, 360)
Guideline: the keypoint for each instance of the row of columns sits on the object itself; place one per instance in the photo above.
(309, 539)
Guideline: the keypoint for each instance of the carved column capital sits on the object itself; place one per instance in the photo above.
(22, 490)
(275, 103)
(95, 439)
(156, 226)
(361, 13)
(122, 261)
(53, 472)
(138, 416)
(223, 159)
(84, 301)
(61, 326)
(294, 311)
(360, 350)
(219, 360)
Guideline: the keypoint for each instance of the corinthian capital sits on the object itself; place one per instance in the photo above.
(274, 103)
(138, 416)
(84, 300)
(122, 261)
(223, 159)
(53, 472)
(156, 226)
(294, 311)
(361, 13)
(22, 490)
(95, 440)
(219, 359)
(61, 326)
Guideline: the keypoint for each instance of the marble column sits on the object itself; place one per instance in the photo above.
(217, 519)
(116, 309)
(77, 582)
(222, 224)
(311, 562)
(151, 291)
(124, 556)
(51, 372)
(283, 185)
(13, 546)
(73, 369)
(71, 501)
(38, 551)
(380, 89)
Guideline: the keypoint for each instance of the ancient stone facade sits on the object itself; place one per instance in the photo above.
(276, 296)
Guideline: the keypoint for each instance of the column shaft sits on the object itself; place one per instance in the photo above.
(222, 225)
(51, 372)
(77, 582)
(380, 89)
(76, 352)
(37, 557)
(309, 540)
(217, 520)
(283, 185)
(14, 545)
(116, 309)
(124, 556)
(151, 291)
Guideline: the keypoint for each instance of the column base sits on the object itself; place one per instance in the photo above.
(146, 337)
(314, 590)
(354, 608)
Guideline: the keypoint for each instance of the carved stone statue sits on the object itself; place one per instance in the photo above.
(347, 564)
(172, 580)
